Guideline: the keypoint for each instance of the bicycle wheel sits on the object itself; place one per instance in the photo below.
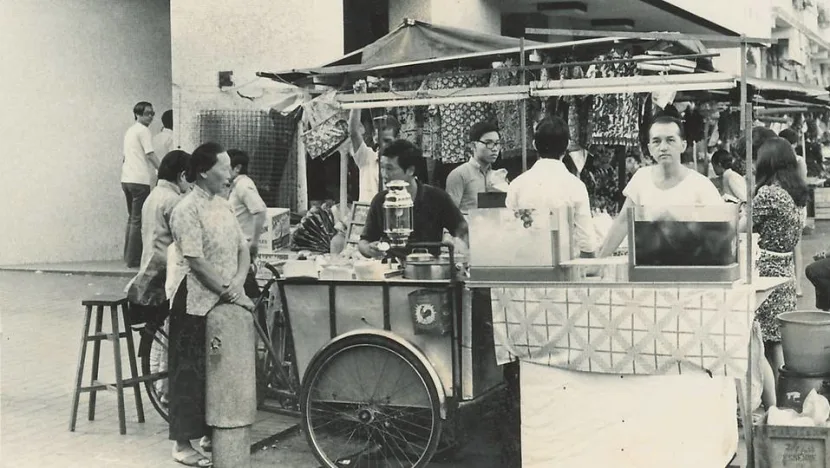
(153, 362)
(276, 378)
(368, 401)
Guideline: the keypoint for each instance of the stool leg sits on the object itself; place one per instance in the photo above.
(79, 376)
(119, 378)
(96, 355)
(139, 407)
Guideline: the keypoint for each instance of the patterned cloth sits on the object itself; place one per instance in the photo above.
(204, 227)
(777, 219)
(619, 329)
(456, 119)
(508, 114)
(615, 116)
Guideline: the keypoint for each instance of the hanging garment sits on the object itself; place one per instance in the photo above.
(407, 116)
(614, 116)
(508, 114)
(457, 118)
(600, 178)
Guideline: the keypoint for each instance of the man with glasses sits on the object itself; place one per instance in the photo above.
(471, 178)
(138, 170)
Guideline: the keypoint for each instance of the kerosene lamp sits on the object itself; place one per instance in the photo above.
(397, 214)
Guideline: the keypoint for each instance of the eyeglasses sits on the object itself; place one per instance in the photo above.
(490, 144)
(150, 113)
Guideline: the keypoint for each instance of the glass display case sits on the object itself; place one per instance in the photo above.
(683, 243)
(522, 244)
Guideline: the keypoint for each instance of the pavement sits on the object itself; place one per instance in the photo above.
(40, 322)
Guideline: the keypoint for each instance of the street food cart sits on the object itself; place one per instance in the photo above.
(383, 374)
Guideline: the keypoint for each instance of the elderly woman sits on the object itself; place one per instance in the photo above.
(210, 240)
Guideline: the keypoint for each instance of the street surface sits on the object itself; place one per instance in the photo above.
(41, 318)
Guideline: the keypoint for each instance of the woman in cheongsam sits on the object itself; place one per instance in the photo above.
(209, 238)
(780, 193)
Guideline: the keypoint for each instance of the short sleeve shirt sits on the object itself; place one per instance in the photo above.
(204, 227)
(138, 143)
(366, 160)
(695, 189)
(433, 211)
(246, 202)
(465, 182)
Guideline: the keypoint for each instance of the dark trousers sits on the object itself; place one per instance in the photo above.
(819, 274)
(135, 194)
(512, 423)
(186, 367)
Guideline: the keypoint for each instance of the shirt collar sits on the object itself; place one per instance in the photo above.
(549, 164)
(474, 162)
(170, 185)
(236, 180)
(202, 193)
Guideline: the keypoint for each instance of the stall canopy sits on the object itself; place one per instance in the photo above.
(415, 43)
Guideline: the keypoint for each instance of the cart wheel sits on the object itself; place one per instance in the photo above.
(368, 401)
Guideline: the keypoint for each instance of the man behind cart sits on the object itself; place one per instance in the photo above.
(433, 209)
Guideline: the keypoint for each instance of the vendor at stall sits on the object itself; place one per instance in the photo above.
(667, 183)
(466, 181)
(433, 209)
(549, 184)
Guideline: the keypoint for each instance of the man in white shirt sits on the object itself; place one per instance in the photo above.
(163, 141)
(731, 185)
(249, 208)
(549, 184)
(137, 172)
(386, 131)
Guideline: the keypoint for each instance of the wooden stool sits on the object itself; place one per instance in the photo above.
(113, 302)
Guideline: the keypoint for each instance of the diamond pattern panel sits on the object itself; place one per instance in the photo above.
(618, 329)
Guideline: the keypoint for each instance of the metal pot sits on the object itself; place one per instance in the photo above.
(461, 264)
(422, 265)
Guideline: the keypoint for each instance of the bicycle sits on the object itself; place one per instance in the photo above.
(276, 376)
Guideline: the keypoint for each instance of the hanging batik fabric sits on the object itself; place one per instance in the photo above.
(600, 178)
(407, 116)
(508, 114)
(456, 119)
(614, 116)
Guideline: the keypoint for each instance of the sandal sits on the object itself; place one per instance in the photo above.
(206, 444)
(192, 459)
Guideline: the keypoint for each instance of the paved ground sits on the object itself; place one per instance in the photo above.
(41, 321)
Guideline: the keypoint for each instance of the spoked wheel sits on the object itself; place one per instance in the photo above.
(367, 401)
(155, 361)
(276, 379)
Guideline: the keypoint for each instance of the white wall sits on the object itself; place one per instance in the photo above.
(477, 15)
(209, 36)
(72, 72)
(750, 17)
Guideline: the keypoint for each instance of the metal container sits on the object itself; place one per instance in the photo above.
(422, 265)
(793, 387)
(805, 340)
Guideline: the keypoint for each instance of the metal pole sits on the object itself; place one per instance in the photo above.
(523, 105)
(746, 121)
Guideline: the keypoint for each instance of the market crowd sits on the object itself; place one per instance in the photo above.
(195, 220)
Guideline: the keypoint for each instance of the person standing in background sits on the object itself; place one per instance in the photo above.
(466, 181)
(138, 170)
(387, 130)
(163, 141)
(730, 184)
(249, 209)
(792, 138)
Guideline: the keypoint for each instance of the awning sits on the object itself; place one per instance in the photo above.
(785, 86)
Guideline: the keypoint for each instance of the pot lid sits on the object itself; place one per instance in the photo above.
(424, 258)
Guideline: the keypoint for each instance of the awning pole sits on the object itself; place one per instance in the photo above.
(746, 123)
(523, 105)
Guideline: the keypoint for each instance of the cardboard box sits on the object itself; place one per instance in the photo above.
(276, 259)
(801, 447)
(277, 232)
